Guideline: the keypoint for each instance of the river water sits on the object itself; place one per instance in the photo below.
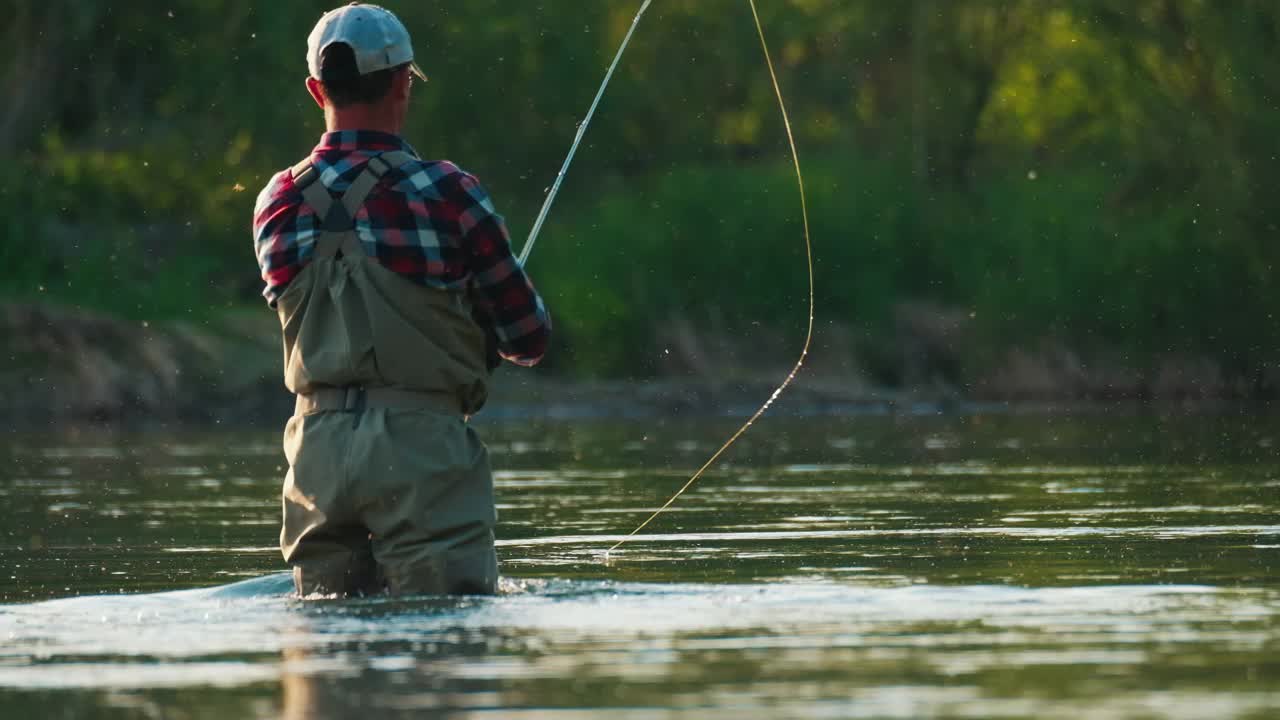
(972, 566)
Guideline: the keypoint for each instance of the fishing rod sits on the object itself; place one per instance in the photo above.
(804, 212)
(582, 130)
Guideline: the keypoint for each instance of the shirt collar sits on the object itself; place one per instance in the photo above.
(363, 141)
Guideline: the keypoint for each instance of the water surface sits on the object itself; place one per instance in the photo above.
(977, 566)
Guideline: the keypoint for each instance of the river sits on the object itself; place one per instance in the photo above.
(1003, 565)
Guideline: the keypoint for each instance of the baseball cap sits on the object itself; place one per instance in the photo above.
(377, 39)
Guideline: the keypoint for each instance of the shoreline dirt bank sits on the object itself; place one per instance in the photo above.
(67, 364)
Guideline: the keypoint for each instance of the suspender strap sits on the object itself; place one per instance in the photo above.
(305, 178)
(299, 170)
(360, 188)
(339, 217)
(322, 203)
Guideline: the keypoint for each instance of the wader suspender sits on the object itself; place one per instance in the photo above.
(337, 227)
(338, 235)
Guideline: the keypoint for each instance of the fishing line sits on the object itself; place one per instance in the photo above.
(804, 213)
(582, 130)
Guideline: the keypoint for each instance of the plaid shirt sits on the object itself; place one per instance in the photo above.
(427, 221)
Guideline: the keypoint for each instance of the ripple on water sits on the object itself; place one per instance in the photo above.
(171, 637)
(962, 580)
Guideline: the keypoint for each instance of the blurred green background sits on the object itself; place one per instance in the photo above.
(1089, 175)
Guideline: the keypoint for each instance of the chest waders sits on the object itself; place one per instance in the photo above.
(388, 486)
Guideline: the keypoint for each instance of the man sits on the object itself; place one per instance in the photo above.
(396, 289)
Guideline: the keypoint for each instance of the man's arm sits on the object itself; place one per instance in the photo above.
(505, 295)
(276, 234)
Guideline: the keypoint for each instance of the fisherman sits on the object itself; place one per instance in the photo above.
(397, 293)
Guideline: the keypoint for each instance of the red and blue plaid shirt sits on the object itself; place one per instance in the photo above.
(428, 221)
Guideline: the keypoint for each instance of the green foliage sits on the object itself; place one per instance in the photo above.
(1093, 171)
(723, 248)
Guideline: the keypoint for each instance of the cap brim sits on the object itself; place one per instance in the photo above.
(413, 68)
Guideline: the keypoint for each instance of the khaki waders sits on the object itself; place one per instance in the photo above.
(388, 486)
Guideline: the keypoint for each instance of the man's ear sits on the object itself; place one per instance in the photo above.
(316, 88)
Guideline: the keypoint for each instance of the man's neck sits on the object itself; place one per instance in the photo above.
(359, 117)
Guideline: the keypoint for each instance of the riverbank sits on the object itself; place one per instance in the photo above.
(69, 365)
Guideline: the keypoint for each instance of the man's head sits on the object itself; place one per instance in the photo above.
(360, 61)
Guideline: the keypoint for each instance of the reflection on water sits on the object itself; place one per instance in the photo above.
(966, 567)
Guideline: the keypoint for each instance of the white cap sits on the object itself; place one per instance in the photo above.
(377, 38)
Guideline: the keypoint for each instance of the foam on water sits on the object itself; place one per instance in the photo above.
(171, 638)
